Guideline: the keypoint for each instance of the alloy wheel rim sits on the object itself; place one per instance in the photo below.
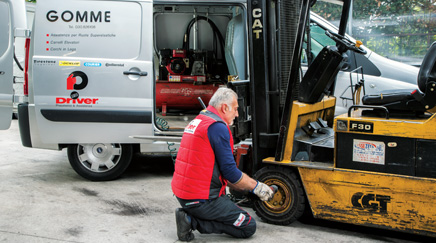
(99, 157)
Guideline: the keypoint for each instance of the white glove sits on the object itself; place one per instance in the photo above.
(263, 191)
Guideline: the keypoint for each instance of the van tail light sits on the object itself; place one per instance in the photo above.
(26, 67)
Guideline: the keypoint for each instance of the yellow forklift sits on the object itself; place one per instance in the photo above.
(374, 166)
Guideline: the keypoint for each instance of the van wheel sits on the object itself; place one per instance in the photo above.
(288, 202)
(100, 161)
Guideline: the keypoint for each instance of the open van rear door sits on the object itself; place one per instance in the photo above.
(12, 16)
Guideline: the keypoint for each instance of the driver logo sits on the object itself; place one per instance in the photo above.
(72, 81)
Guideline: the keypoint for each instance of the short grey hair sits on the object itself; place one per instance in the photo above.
(222, 96)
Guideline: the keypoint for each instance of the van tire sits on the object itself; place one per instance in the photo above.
(288, 203)
(100, 161)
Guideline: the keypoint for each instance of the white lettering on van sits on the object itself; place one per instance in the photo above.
(85, 16)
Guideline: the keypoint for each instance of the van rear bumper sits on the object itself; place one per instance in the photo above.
(23, 124)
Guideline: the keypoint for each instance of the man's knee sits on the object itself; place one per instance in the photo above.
(249, 229)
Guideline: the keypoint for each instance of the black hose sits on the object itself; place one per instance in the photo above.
(217, 33)
(18, 63)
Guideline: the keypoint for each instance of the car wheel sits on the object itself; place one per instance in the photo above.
(100, 161)
(288, 203)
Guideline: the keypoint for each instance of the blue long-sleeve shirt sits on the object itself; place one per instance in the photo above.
(219, 139)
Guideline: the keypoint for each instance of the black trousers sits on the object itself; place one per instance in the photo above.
(220, 215)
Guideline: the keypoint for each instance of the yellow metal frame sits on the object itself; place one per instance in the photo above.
(301, 114)
(424, 128)
(376, 199)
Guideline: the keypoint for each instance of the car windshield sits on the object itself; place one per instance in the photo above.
(318, 40)
(399, 30)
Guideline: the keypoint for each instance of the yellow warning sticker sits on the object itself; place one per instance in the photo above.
(69, 63)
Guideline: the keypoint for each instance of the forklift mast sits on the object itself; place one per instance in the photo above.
(276, 37)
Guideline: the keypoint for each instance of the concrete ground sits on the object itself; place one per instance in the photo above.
(43, 200)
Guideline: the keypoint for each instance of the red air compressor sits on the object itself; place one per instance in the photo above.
(186, 74)
(180, 84)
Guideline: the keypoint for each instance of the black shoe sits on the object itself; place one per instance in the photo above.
(184, 229)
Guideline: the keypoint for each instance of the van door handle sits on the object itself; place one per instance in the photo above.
(135, 73)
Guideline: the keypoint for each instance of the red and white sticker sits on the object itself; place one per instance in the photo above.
(240, 220)
(366, 151)
(192, 126)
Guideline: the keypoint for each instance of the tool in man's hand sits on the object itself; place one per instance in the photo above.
(274, 188)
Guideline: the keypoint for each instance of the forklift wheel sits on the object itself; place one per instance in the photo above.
(288, 203)
(100, 162)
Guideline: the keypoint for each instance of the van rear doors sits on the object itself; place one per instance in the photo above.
(12, 16)
(91, 72)
(6, 58)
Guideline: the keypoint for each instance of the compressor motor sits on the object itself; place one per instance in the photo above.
(190, 64)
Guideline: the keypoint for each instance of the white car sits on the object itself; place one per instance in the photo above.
(379, 73)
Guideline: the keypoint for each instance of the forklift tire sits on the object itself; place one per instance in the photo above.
(100, 161)
(288, 203)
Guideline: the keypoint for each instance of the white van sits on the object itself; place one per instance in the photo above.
(97, 69)
(106, 78)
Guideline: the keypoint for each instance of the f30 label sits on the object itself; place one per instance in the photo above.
(362, 126)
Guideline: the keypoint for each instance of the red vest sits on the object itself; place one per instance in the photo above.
(196, 174)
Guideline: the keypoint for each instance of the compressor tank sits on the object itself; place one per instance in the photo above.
(182, 95)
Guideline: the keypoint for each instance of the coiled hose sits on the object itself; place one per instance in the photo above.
(163, 125)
